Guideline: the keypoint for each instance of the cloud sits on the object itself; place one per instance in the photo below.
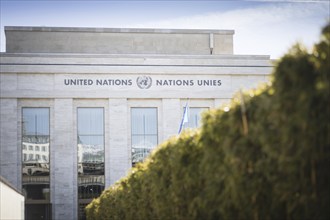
(241, 17)
(266, 29)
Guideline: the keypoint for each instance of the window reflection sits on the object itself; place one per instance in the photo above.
(144, 132)
(90, 141)
(36, 122)
(35, 164)
(90, 186)
(90, 155)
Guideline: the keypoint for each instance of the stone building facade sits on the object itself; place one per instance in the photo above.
(80, 106)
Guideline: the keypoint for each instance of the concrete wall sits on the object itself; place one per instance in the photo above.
(10, 166)
(116, 41)
(43, 76)
(11, 202)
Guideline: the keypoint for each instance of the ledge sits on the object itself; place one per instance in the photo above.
(118, 30)
(163, 56)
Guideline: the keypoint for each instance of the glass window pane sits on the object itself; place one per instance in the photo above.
(90, 141)
(90, 155)
(137, 121)
(35, 163)
(96, 140)
(90, 121)
(35, 121)
(144, 132)
(144, 120)
(150, 121)
(138, 154)
(147, 141)
(138, 141)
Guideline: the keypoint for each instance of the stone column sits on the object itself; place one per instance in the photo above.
(63, 162)
(171, 118)
(117, 154)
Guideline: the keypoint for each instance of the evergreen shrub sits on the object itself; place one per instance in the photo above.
(266, 156)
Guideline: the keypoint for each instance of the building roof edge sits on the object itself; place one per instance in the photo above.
(117, 30)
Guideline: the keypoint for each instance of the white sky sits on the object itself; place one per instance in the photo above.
(261, 27)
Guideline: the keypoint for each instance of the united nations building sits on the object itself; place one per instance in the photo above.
(81, 106)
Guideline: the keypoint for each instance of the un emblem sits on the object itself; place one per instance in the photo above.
(144, 82)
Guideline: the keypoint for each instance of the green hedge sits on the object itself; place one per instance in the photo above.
(266, 157)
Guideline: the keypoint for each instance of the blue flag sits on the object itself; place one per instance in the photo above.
(184, 117)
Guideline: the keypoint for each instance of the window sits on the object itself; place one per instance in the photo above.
(24, 147)
(144, 132)
(43, 148)
(35, 172)
(30, 156)
(90, 155)
(194, 117)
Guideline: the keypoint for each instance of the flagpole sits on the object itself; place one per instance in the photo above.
(184, 116)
